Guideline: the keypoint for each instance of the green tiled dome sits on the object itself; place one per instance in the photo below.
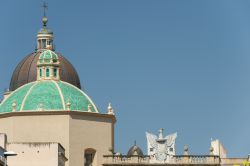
(48, 95)
(48, 55)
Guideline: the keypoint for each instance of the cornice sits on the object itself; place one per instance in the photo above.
(63, 112)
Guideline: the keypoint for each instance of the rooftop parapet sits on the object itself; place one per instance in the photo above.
(174, 160)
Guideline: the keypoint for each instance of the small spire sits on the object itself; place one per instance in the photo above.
(68, 104)
(14, 106)
(110, 109)
(135, 143)
(161, 133)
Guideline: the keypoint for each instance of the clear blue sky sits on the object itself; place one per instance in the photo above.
(179, 65)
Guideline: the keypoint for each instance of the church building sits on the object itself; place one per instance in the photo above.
(45, 116)
(46, 119)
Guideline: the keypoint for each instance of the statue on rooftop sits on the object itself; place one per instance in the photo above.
(161, 148)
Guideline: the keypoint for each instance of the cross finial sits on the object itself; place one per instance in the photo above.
(45, 7)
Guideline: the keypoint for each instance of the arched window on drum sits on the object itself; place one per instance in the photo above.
(89, 157)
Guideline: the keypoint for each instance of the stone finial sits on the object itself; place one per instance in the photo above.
(68, 104)
(89, 108)
(186, 150)
(40, 107)
(161, 133)
(14, 106)
(110, 109)
(211, 151)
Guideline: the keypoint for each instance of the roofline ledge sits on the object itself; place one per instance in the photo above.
(59, 112)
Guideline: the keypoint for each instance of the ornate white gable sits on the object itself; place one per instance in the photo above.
(161, 148)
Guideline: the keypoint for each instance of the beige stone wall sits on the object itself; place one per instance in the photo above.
(94, 133)
(75, 131)
(33, 154)
(37, 128)
(6, 126)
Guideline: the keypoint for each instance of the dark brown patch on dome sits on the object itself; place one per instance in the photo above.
(26, 72)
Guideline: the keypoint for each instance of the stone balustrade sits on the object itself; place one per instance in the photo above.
(174, 160)
(121, 159)
(195, 159)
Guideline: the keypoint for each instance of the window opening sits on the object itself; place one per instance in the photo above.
(89, 156)
(43, 43)
(55, 72)
(41, 72)
(47, 72)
